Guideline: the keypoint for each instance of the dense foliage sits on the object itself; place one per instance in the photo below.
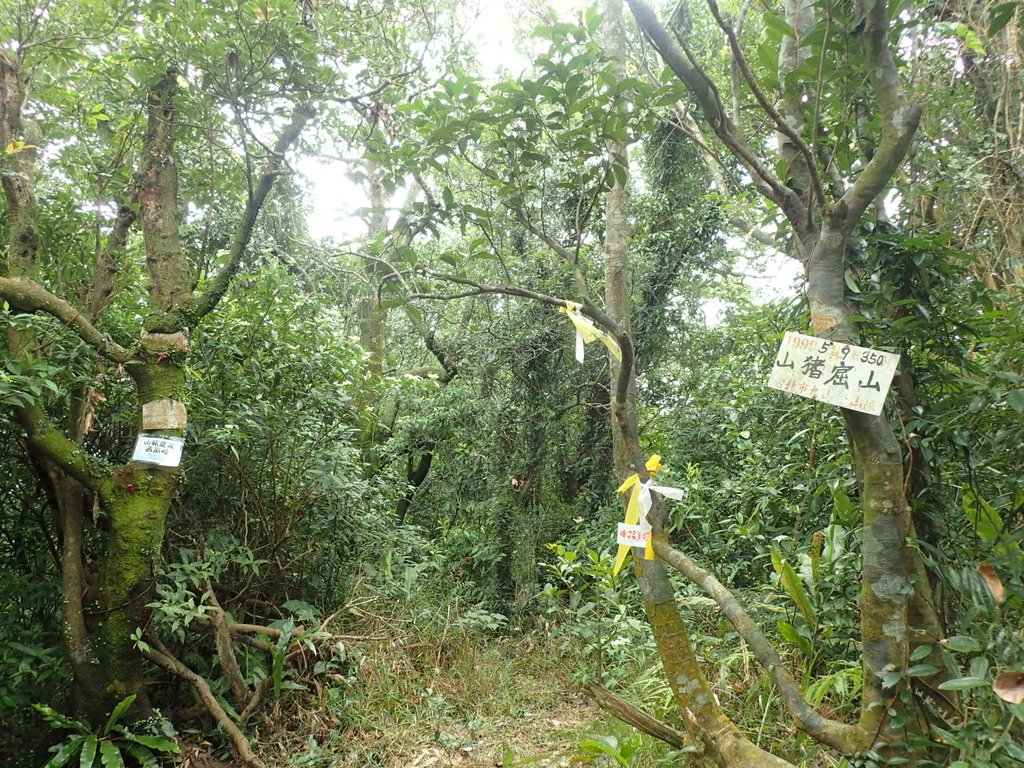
(393, 525)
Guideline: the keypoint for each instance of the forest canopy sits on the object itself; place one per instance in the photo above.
(655, 399)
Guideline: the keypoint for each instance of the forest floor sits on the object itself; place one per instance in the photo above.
(445, 698)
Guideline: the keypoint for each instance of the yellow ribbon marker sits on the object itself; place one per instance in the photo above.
(587, 332)
(636, 531)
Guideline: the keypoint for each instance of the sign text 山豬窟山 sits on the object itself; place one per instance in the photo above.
(833, 372)
(157, 449)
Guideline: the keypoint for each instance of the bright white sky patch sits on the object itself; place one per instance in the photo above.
(499, 32)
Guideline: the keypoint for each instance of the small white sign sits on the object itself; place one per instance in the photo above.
(833, 372)
(157, 449)
(633, 535)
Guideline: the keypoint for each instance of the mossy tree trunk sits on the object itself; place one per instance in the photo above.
(692, 692)
(896, 609)
(134, 496)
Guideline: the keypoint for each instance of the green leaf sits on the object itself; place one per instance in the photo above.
(777, 24)
(65, 752)
(950, 738)
(922, 670)
(962, 684)
(143, 756)
(794, 587)
(120, 709)
(851, 281)
(891, 678)
(159, 743)
(788, 632)
(1015, 398)
(1000, 15)
(88, 756)
(277, 672)
(987, 522)
(57, 720)
(979, 667)
(110, 755)
(921, 652)
(962, 644)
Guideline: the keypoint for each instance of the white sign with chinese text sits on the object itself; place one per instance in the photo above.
(634, 535)
(157, 449)
(833, 372)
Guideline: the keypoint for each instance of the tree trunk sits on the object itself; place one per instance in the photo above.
(722, 740)
(136, 497)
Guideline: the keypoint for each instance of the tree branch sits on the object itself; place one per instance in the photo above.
(105, 267)
(636, 717)
(29, 296)
(564, 253)
(217, 287)
(622, 338)
(225, 651)
(46, 440)
(162, 657)
(702, 89)
(780, 122)
(744, 227)
(899, 117)
(840, 736)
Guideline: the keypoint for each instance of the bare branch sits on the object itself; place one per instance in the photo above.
(780, 122)
(636, 717)
(105, 267)
(216, 288)
(843, 737)
(752, 231)
(160, 656)
(570, 258)
(225, 651)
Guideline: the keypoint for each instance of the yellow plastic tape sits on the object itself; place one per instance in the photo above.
(587, 332)
(640, 503)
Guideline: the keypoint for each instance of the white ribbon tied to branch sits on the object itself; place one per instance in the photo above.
(587, 332)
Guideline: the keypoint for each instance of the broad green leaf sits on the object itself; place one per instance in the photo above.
(159, 743)
(120, 709)
(950, 738)
(793, 586)
(1015, 398)
(88, 754)
(921, 652)
(777, 24)
(851, 281)
(110, 755)
(962, 644)
(65, 752)
(922, 670)
(963, 684)
(795, 589)
(979, 666)
(143, 756)
(999, 16)
(986, 520)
